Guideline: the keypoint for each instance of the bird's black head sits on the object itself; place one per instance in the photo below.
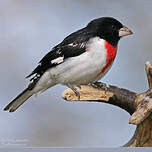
(109, 29)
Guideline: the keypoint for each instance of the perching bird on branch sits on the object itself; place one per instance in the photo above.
(83, 57)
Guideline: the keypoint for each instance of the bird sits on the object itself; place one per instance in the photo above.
(83, 57)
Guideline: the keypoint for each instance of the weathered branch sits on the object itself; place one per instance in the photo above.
(104, 93)
(148, 69)
(139, 106)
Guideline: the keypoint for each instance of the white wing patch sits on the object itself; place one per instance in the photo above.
(71, 44)
(58, 60)
(74, 45)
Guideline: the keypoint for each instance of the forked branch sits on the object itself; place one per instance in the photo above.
(139, 106)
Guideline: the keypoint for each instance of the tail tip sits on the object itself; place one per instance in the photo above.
(9, 109)
(6, 108)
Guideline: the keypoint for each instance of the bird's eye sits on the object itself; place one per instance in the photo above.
(113, 27)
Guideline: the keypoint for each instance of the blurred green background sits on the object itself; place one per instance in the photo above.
(28, 30)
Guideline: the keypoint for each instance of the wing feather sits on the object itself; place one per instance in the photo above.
(73, 45)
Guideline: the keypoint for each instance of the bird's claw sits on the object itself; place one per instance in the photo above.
(95, 84)
(100, 85)
(75, 90)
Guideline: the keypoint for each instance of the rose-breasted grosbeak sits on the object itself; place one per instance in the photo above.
(83, 57)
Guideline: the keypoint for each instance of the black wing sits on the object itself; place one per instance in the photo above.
(73, 45)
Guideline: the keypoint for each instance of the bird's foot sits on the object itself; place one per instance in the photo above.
(95, 84)
(75, 90)
(100, 85)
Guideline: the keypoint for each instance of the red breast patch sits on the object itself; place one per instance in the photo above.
(111, 53)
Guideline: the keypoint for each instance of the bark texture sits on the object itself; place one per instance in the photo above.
(138, 105)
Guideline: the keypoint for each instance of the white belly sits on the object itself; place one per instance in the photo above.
(84, 68)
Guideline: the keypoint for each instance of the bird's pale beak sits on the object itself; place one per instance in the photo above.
(124, 31)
